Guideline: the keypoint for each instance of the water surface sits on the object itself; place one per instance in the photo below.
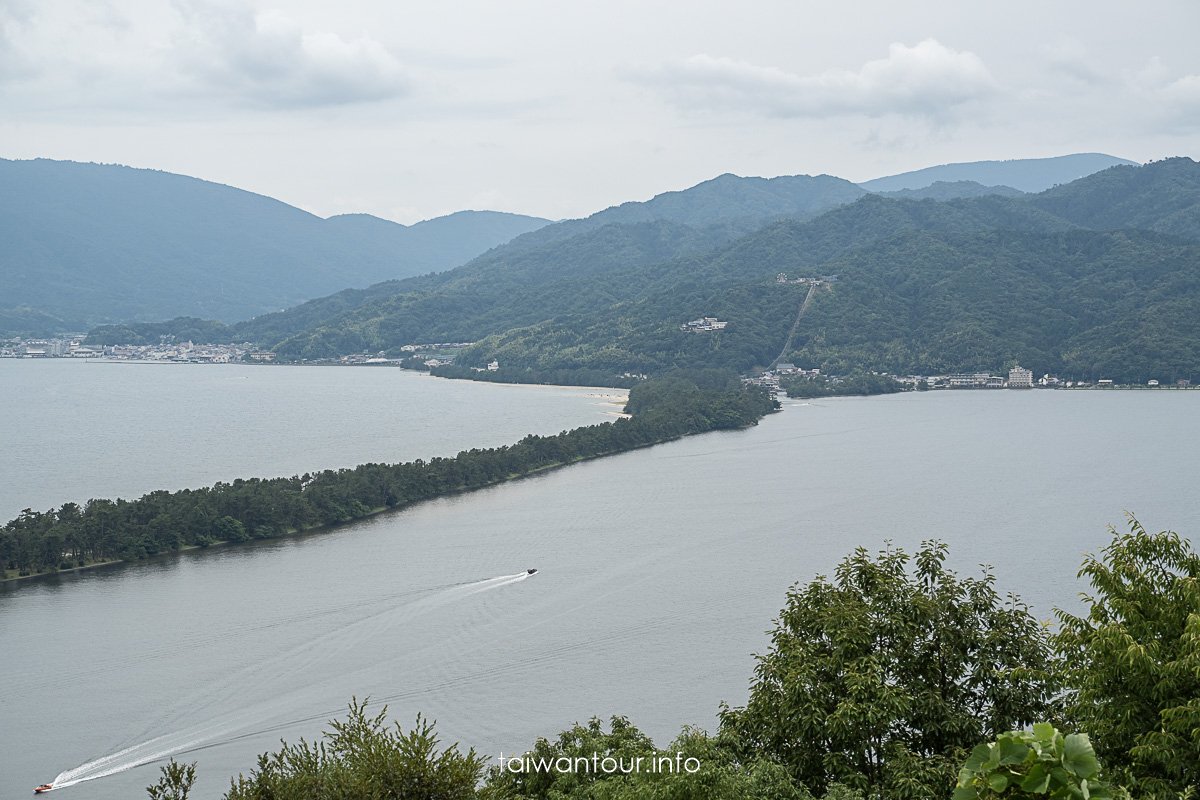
(74, 430)
(659, 571)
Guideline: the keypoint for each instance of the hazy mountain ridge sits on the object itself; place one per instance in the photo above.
(1024, 174)
(951, 190)
(631, 234)
(86, 242)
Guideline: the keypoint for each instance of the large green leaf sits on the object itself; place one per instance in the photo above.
(1037, 781)
(965, 793)
(978, 757)
(1011, 751)
(1078, 756)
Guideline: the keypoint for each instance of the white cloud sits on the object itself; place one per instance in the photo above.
(14, 62)
(1070, 58)
(1185, 90)
(1165, 98)
(928, 79)
(267, 59)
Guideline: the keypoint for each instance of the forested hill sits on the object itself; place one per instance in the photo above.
(1085, 304)
(85, 243)
(612, 265)
(724, 198)
(1088, 305)
(630, 235)
(950, 190)
(517, 285)
(614, 297)
(1161, 196)
(924, 287)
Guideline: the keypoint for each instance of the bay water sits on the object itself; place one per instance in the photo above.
(659, 570)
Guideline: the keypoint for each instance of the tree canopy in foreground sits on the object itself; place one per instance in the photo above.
(897, 680)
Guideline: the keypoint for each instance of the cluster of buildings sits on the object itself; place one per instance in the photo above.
(1018, 378)
(783, 278)
(368, 358)
(70, 347)
(184, 353)
(412, 348)
(788, 368)
(703, 324)
(442, 353)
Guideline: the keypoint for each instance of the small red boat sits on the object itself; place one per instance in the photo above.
(45, 787)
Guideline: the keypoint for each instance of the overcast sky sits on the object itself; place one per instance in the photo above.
(409, 110)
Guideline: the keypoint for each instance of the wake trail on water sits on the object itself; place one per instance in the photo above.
(134, 756)
(231, 727)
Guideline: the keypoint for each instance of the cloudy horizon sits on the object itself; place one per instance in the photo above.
(559, 111)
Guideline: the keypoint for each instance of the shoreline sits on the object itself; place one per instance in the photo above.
(375, 512)
(545, 385)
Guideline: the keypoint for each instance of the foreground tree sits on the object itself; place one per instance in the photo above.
(1134, 662)
(364, 759)
(880, 680)
(587, 763)
(174, 783)
(1038, 765)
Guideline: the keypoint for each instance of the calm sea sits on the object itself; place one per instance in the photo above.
(659, 570)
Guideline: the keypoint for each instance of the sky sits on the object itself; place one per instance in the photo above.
(410, 110)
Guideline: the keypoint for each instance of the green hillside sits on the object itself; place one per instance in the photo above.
(1161, 196)
(951, 190)
(1092, 279)
(749, 201)
(1084, 304)
(620, 263)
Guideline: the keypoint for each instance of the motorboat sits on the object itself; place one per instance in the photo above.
(45, 787)
(531, 571)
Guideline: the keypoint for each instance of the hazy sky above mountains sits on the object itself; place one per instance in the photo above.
(411, 110)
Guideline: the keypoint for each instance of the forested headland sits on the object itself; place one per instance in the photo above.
(893, 679)
(554, 377)
(806, 386)
(101, 530)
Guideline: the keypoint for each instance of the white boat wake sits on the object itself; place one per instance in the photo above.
(232, 727)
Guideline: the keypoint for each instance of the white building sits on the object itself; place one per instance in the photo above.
(703, 324)
(979, 380)
(1020, 378)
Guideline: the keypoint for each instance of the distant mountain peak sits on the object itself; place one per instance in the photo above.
(87, 243)
(1024, 174)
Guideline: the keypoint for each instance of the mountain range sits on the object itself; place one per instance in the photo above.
(88, 243)
(612, 296)
(1023, 174)
(1096, 275)
(92, 243)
